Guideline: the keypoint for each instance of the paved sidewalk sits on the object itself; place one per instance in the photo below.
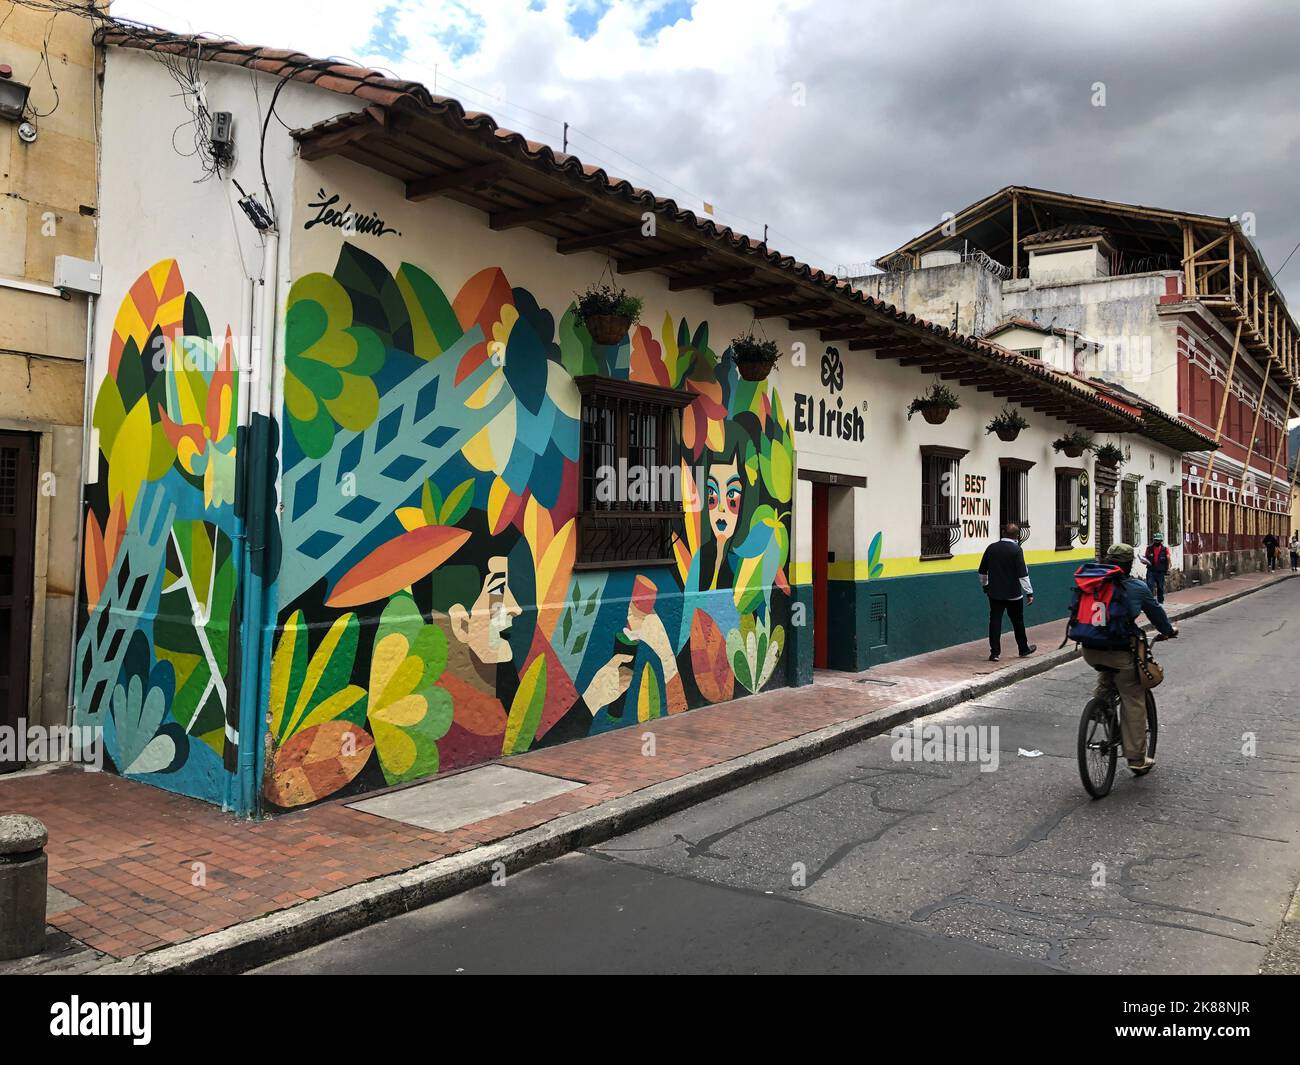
(137, 869)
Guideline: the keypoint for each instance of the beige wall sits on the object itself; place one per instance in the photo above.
(48, 198)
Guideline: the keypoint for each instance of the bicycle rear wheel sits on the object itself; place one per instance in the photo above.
(1153, 725)
(1098, 747)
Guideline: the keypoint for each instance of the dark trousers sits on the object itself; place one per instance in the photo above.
(1015, 610)
(1272, 557)
(1156, 582)
(1295, 561)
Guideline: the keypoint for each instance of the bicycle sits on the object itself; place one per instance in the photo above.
(1100, 741)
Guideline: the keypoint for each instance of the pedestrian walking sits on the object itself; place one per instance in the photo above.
(1294, 548)
(1157, 559)
(1005, 579)
(1270, 546)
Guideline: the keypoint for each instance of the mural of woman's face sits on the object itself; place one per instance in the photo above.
(485, 627)
(723, 498)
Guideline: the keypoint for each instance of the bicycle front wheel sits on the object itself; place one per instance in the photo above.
(1153, 725)
(1098, 747)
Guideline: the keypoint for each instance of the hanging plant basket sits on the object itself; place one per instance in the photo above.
(1073, 444)
(608, 313)
(754, 358)
(1110, 456)
(934, 405)
(1007, 424)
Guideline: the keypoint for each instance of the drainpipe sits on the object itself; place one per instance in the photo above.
(258, 468)
(78, 547)
(244, 357)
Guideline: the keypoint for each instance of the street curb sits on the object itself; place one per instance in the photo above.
(276, 935)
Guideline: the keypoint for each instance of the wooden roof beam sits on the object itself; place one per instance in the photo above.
(470, 177)
(721, 277)
(665, 258)
(327, 144)
(538, 212)
(792, 310)
(726, 300)
(570, 245)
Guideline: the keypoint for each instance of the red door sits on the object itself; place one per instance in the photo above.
(17, 539)
(820, 573)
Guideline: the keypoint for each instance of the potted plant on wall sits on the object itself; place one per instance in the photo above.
(608, 313)
(754, 358)
(1111, 456)
(1007, 424)
(1074, 443)
(935, 404)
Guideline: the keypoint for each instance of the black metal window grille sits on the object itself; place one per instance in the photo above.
(940, 527)
(631, 483)
(1067, 508)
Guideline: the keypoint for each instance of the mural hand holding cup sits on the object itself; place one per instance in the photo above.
(612, 680)
(643, 625)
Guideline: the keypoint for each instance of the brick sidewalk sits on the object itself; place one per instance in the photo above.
(126, 853)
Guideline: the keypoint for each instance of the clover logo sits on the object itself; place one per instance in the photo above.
(833, 370)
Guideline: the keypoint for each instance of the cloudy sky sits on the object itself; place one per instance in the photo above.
(849, 126)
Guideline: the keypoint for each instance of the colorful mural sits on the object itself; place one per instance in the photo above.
(160, 566)
(430, 615)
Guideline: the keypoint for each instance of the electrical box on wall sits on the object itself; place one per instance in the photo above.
(223, 135)
(77, 275)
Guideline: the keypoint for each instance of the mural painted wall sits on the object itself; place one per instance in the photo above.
(431, 615)
(159, 578)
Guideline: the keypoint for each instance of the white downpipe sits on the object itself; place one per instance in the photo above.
(78, 546)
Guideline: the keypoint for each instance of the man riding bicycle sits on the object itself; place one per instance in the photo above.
(1116, 664)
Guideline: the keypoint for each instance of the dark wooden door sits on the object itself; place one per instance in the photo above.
(17, 541)
(820, 573)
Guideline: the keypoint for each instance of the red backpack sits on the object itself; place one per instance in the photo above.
(1100, 617)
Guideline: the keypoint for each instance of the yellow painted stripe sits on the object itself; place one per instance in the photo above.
(911, 566)
(859, 569)
(855, 569)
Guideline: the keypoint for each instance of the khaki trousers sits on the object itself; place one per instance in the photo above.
(1133, 717)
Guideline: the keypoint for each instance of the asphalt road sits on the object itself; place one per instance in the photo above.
(860, 862)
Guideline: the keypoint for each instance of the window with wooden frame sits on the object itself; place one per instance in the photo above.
(1175, 535)
(1067, 508)
(1128, 514)
(1013, 495)
(1155, 510)
(940, 489)
(630, 473)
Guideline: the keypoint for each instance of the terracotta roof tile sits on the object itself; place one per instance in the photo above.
(1066, 232)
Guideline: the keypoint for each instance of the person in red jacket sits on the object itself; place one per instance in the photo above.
(1157, 560)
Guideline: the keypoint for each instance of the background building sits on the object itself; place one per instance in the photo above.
(48, 198)
(1176, 308)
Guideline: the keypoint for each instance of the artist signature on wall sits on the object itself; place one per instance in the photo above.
(351, 222)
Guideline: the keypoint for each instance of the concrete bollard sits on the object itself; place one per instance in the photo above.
(23, 873)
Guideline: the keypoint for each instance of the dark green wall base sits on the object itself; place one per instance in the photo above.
(895, 617)
(799, 638)
(850, 640)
